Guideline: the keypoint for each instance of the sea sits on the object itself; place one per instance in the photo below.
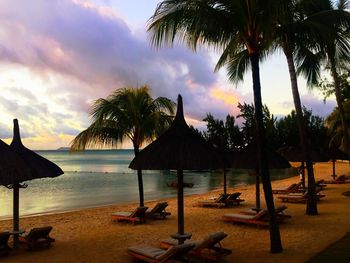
(101, 177)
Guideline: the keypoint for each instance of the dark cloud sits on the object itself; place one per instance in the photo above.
(100, 50)
(82, 52)
(5, 132)
(317, 106)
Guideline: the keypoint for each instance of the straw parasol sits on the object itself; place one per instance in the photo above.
(296, 154)
(336, 154)
(38, 166)
(12, 167)
(179, 148)
(247, 159)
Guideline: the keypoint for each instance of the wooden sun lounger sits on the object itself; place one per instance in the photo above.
(208, 249)
(258, 219)
(4, 247)
(284, 190)
(158, 211)
(136, 216)
(233, 199)
(158, 255)
(279, 210)
(321, 184)
(298, 197)
(218, 202)
(38, 236)
(342, 179)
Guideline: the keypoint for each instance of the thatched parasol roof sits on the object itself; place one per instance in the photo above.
(12, 167)
(179, 148)
(37, 166)
(247, 159)
(336, 154)
(295, 154)
(40, 167)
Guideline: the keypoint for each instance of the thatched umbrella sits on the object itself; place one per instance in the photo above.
(247, 159)
(179, 148)
(296, 154)
(336, 154)
(38, 166)
(11, 165)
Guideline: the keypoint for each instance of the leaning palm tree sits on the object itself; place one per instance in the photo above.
(128, 113)
(305, 23)
(241, 30)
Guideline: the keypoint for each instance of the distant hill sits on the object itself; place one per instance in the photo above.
(63, 149)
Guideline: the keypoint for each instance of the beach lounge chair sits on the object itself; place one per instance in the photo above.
(342, 179)
(4, 247)
(159, 255)
(158, 211)
(298, 197)
(279, 210)
(136, 216)
(233, 199)
(283, 190)
(218, 202)
(208, 249)
(258, 219)
(38, 236)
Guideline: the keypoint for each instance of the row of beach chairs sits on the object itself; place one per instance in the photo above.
(207, 249)
(295, 193)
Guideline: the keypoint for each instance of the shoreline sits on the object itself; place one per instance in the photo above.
(127, 202)
(89, 235)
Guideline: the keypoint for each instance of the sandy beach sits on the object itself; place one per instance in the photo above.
(89, 235)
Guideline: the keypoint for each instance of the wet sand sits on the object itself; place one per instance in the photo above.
(89, 235)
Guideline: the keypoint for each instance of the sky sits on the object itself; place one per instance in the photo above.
(57, 57)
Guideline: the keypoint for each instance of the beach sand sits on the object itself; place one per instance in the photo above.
(89, 235)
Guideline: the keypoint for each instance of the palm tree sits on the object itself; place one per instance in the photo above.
(294, 27)
(338, 51)
(242, 31)
(128, 113)
(306, 25)
(334, 125)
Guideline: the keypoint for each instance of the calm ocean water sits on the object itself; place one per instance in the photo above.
(96, 178)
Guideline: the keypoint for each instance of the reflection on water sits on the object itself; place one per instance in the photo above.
(94, 178)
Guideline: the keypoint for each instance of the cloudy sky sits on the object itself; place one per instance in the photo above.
(58, 56)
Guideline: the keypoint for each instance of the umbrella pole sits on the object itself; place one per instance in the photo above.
(225, 183)
(16, 187)
(257, 192)
(303, 175)
(333, 169)
(180, 204)
(180, 236)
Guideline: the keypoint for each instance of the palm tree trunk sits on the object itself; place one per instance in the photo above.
(346, 139)
(275, 238)
(139, 177)
(311, 207)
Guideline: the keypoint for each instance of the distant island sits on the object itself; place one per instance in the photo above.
(63, 149)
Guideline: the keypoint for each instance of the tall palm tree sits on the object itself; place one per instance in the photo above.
(333, 50)
(301, 34)
(241, 30)
(128, 113)
(334, 125)
(338, 51)
(293, 30)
